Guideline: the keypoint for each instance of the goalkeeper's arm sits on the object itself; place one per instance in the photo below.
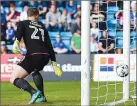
(15, 48)
(49, 46)
(19, 35)
(56, 68)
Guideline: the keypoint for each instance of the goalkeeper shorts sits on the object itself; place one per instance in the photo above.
(34, 62)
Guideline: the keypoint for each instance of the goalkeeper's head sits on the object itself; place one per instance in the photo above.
(33, 14)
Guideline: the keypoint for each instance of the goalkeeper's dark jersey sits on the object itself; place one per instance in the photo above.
(36, 38)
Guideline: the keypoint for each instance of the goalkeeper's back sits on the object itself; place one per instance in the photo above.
(35, 36)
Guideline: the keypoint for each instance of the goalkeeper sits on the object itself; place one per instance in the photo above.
(39, 52)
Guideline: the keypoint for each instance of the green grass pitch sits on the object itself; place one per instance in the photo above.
(65, 93)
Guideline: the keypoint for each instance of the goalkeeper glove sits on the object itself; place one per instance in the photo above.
(57, 69)
(15, 48)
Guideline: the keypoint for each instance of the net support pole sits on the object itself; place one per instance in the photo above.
(126, 47)
(85, 53)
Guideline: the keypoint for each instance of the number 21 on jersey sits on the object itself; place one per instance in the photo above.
(33, 36)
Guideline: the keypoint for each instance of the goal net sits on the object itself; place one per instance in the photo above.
(107, 19)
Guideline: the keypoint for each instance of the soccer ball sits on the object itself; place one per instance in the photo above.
(122, 70)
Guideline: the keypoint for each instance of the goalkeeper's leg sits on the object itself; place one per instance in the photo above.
(38, 80)
(17, 78)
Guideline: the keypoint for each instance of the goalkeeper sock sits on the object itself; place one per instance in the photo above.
(38, 80)
(23, 84)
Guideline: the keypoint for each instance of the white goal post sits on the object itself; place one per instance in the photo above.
(126, 47)
(85, 54)
(126, 52)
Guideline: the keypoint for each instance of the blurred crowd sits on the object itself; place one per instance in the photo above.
(62, 19)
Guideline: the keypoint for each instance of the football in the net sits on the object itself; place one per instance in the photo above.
(122, 70)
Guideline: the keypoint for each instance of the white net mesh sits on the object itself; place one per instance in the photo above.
(106, 85)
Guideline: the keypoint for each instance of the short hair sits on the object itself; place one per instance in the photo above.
(32, 12)
(12, 5)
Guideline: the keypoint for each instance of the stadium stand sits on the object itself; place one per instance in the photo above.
(107, 10)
